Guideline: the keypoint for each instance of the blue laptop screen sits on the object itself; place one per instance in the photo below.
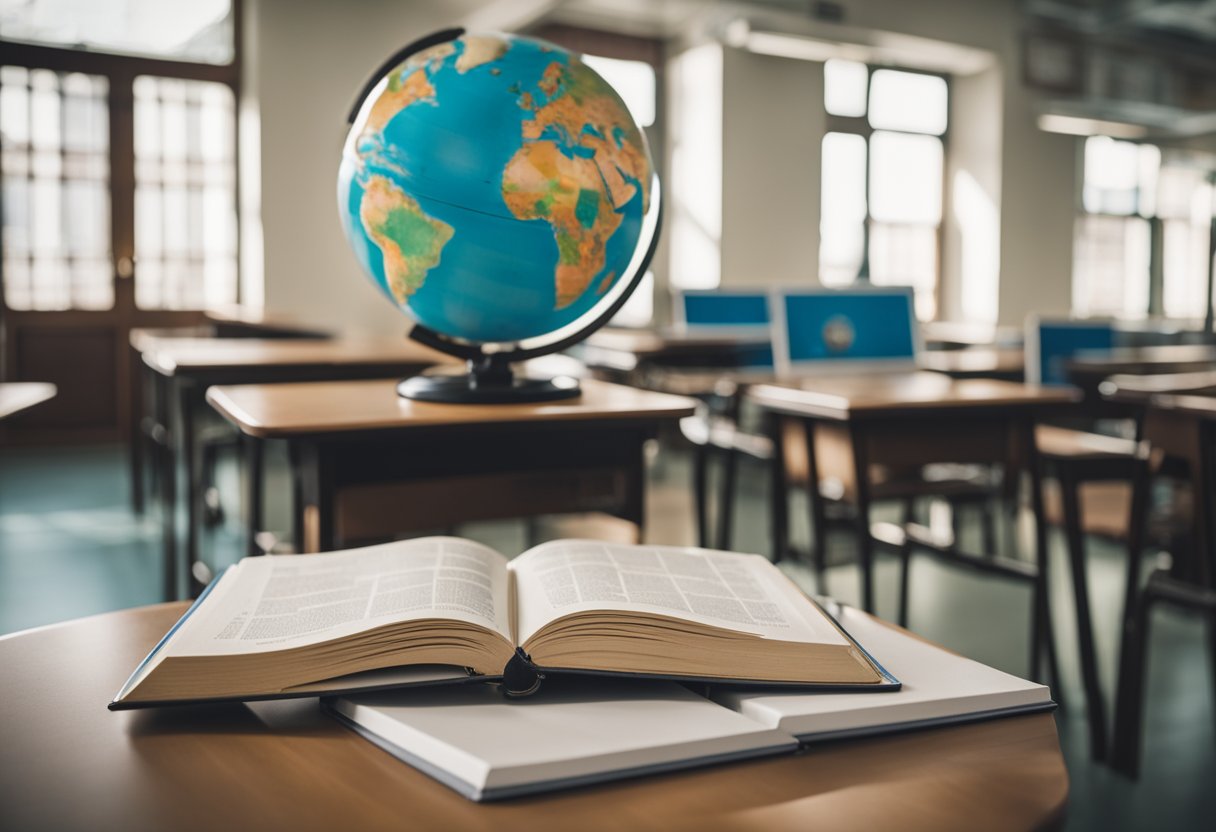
(831, 326)
(1060, 342)
(726, 309)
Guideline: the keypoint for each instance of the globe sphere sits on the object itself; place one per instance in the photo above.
(494, 187)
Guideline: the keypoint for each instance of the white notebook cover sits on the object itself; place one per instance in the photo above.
(487, 747)
(939, 688)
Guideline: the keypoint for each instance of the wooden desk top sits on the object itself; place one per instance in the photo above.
(16, 396)
(173, 355)
(891, 394)
(280, 410)
(1203, 407)
(975, 362)
(1178, 357)
(646, 343)
(1130, 387)
(964, 334)
(248, 317)
(66, 763)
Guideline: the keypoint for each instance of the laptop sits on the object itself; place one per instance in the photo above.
(1050, 343)
(861, 328)
(729, 312)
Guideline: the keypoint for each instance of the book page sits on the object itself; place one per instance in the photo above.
(723, 589)
(283, 601)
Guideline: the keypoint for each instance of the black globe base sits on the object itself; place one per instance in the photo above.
(496, 385)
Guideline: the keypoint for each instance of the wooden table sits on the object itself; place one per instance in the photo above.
(625, 350)
(907, 420)
(181, 368)
(66, 763)
(976, 362)
(16, 396)
(1088, 370)
(369, 464)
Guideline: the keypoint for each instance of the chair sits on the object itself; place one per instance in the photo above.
(715, 430)
(1180, 432)
(863, 329)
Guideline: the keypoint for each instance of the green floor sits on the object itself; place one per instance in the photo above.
(70, 546)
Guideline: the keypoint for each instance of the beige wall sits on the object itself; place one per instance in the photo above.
(1010, 189)
(306, 61)
(772, 121)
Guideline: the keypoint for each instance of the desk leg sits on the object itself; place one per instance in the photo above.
(700, 486)
(778, 499)
(315, 504)
(726, 505)
(135, 432)
(254, 455)
(1042, 633)
(168, 494)
(187, 448)
(865, 542)
(819, 520)
(1095, 708)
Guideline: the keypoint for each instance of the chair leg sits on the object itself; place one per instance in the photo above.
(726, 501)
(905, 559)
(1042, 632)
(778, 500)
(988, 527)
(818, 515)
(1129, 702)
(865, 541)
(700, 466)
(1095, 708)
(1125, 747)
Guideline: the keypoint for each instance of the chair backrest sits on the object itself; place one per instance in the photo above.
(1050, 343)
(864, 328)
(729, 312)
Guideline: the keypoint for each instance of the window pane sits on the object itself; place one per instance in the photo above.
(185, 194)
(54, 153)
(200, 30)
(906, 255)
(905, 178)
(1112, 174)
(843, 194)
(844, 87)
(1185, 255)
(633, 81)
(1177, 188)
(840, 249)
(1110, 266)
(908, 101)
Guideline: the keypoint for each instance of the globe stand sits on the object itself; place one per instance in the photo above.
(489, 380)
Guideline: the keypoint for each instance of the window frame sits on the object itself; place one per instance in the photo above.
(860, 126)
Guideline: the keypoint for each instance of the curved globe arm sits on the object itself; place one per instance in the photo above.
(479, 352)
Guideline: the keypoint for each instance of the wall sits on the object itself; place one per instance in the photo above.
(306, 60)
(1010, 191)
(772, 122)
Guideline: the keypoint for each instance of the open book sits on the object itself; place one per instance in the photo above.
(442, 609)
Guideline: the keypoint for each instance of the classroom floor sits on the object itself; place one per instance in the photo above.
(70, 546)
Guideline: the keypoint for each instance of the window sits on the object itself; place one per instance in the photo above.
(1128, 188)
(54, 156)
(883, 162)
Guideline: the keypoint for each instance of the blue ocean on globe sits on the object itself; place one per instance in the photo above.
(494, 187)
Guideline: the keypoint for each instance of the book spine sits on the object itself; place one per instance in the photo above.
(521, 677)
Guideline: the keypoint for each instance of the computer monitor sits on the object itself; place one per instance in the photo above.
(1051, 343)
(730, 312)
(860, 328)
(722, 308)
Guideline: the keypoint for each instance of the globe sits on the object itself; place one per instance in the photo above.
(494, 187)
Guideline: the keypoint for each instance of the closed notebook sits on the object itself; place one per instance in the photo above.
(938, 688)
(581, 731)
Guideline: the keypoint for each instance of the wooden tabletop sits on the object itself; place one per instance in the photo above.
(280, 410)
(1203, 407)
(66, 763)
(645, 343)
(889, 394)
(1133, 387)
(16, 396)
(172, 355)
(1175, 357)
(964, 334)
(974, 362)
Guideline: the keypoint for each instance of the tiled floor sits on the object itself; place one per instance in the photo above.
(70, 546)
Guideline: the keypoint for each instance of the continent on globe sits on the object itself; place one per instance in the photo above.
(580, 162)
(478, 50)
(410, 241)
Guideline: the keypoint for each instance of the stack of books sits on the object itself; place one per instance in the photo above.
(577, 662)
